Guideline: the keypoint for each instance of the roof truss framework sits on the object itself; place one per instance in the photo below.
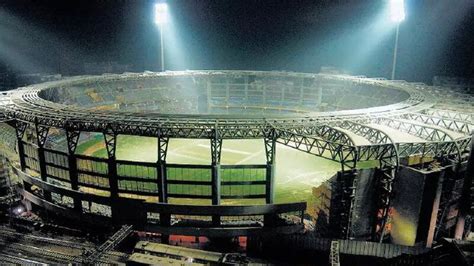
(458, 116)
(422, 131)
(448, 123)
(316, 134)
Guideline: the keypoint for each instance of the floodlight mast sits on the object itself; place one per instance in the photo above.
(161, 18)
(397, 15)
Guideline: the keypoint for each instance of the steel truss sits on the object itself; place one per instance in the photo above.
(448, 123)
(458, 116)
(161, 168)
(92, 257)
(72, 138)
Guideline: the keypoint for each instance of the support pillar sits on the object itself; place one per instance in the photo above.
(466, 200)
(161, 168)
(20, 128)
(269, 139)
(41, 136)
(216, 149)
(435, 211)
(165, 218)
(110, 138)
(72, 141)
(270, 148)
(384, 180)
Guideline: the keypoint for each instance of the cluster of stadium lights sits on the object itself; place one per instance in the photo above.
(397, 15)
(161, 18)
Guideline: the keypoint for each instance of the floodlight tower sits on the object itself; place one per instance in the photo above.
(161, 18)
(397, 15)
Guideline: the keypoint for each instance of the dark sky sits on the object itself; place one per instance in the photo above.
(437, 38)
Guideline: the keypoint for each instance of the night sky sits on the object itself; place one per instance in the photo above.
(437, 37)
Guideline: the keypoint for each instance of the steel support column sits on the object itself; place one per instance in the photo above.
(161, 168)
(216, 149)
(20, 128)
(386, 175)
(110, 138)
(434, 213)
(41, 136)
(72, 138)
(270, 149)
(466, 200)
(384, 181)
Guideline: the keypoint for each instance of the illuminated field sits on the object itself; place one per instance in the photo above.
(296, 172)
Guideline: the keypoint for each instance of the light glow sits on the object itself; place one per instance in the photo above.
(397, 10)
(18, 210)
(161, 13)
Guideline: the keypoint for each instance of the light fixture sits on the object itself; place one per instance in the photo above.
(161, 13)
(397, 10)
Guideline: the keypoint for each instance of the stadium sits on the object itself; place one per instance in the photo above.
(243, 153)
(211, 132)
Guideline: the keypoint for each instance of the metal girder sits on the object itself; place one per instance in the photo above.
(178, 129)
(162, 147)
(41, 134)
(348, 155)
(373, 135)
(448, 123)
(270, 145)
(110, 139)
(351, 193)
(72, 138)
(430, 133)
(376, 152)
(457, 116)
(216, 147)
(92, 257)
(345, 154)
(382, 147)
(384, 192)
(433, 149)
(422, 131)
(20, 128)
(323, 131)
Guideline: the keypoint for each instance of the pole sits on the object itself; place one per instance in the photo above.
(394, 66)
(162, 50)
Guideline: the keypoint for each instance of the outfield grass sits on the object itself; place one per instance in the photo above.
(295, 174)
